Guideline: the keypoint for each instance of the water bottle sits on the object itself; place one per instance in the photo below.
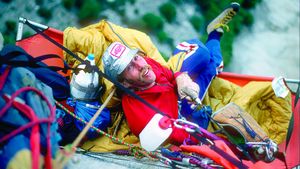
(85, 84)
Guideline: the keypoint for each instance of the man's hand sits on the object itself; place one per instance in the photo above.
(187, 88)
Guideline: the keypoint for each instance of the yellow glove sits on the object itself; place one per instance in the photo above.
(186, 87)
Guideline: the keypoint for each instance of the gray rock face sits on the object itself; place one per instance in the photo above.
(112, 161)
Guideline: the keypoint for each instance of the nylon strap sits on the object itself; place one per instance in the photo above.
(229, 158)
(290, 131)
(282, 156)
(297, 95)
(291, 124)
(3, 76)
(32, 62)
(230, 138)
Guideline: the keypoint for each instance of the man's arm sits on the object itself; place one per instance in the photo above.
(186, 87)
(138, 115)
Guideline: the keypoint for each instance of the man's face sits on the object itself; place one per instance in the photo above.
(138, 74)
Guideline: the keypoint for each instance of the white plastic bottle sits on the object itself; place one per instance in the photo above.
(85, 85)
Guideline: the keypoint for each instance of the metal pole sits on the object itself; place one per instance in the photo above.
(21, 26)
(292, 80)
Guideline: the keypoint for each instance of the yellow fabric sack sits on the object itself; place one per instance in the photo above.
(259, 100)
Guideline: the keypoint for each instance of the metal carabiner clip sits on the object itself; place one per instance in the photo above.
(186, 125)
(165, 160)
(256, 143)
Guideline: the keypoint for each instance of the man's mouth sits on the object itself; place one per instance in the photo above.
(146, 72)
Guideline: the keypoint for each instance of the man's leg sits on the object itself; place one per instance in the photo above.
(223, 18)
(214, 47)
(203, 62)
(201, 67)
(204, 76)
(196, 58)
(215, 31)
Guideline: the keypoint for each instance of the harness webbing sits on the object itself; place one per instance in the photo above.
(229, 158)
(30, 61)
(230, 138)
(282, 156)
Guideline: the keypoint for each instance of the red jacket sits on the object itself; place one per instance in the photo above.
(162, 95)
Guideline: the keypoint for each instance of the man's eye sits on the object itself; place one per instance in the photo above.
(136, 57)
(129, 68)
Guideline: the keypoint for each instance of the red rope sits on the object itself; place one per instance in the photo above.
(35, 137)
(22, 128)
(4, 76)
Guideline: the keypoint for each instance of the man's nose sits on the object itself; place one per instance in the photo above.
(139, 65)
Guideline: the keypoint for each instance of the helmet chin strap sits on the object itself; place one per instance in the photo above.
(139, 88)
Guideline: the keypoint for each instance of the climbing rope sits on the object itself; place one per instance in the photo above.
(137, 151)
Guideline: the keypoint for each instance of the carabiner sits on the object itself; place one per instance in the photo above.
(186, 125)
(257, 143)
(165, 160)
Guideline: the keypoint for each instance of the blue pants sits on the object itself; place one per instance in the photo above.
(201, 63)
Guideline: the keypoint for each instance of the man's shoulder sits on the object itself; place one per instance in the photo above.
(150, 60)
(154, 64)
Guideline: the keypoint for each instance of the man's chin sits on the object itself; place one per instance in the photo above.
(146, 83)
(149, 81)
